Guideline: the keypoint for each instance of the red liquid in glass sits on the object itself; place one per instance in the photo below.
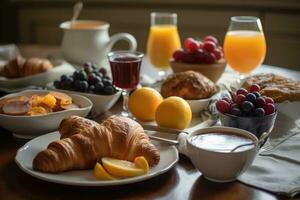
(126, 71)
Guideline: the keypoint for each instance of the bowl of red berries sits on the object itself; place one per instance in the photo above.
(91, 82)
(248, 110)
(204, 56)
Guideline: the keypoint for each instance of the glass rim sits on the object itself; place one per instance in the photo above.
(244, 18)
(139, 54)
(163, 14)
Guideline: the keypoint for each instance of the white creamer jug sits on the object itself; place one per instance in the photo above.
(89, 41)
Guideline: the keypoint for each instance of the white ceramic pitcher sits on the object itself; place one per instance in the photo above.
(90, 41)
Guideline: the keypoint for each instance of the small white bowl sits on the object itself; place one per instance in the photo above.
(101, 103)
(28, 127)
(199, 105)
(221, 166)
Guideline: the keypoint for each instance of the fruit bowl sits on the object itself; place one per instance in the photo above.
(212, 71)
(248, 110)
(205, 56)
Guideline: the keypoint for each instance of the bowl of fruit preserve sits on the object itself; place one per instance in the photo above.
(91, 83)
(212, 152)
(248, 110)
(204, 56)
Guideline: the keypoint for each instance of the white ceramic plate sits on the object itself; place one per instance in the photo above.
(25, 155)
(17, 84)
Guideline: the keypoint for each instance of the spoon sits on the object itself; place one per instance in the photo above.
(76, 11)
(263, 136)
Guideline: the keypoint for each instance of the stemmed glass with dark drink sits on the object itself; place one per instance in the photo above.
(125, 69)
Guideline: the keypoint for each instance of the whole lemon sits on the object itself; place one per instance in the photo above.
(143, 102)
(174, 112)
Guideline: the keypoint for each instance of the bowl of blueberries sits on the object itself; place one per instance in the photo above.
(91, 82)
(248, 110)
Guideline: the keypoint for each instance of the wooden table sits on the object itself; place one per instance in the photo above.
(181, 182)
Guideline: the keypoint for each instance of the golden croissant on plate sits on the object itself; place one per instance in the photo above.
(21, 67)
(83, 142)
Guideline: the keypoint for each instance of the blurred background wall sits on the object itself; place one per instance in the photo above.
(37, 21)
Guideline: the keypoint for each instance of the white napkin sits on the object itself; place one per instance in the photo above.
(277, 170)
(277, 166)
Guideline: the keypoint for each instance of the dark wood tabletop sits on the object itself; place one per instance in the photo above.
(183, 181)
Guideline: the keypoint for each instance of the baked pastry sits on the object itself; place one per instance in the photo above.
(21, 67)
(84, 142)
(188, 85)
(275, 86)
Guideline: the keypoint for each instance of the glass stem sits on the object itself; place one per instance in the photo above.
(125, 94)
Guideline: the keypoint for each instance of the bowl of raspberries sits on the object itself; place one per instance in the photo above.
(248, 110)
(204, 56)
(91, 82)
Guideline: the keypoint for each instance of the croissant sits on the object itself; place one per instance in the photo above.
(21, 67)
(83, 142)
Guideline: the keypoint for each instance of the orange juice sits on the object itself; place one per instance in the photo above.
(244, 50)
(162, 42)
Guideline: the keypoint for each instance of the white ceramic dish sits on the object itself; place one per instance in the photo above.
(16, 84)
(31, 126)
(25, 155)
(221, 166)
(199, 105)
(101, 103)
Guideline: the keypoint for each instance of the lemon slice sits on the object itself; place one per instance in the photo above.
(101, 174)
(142, 163)
(121, 168)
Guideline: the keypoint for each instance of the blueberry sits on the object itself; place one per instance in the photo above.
(75, 74)
(98, 74)
(69, 81)
(82, 76)
(234, 105)
(56, 84)
(63, 78)
(91, 89)
(109, 90)
(83, 86)
(257, 94)
(247, 106)
(106, 82)
(251, 97)
(259, 112)
(77, 85)
(99, 87)
(236, 111)
(94, 80)
(260, 102)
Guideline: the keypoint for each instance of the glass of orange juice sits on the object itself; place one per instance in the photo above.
(245, 44)
(163, 40)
